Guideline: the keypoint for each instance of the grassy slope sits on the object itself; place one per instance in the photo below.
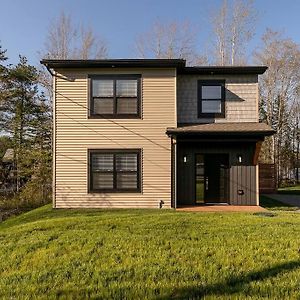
(76, 254)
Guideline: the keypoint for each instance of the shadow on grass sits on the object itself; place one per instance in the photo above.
(234, 284)
(289, 192)
(273, 204)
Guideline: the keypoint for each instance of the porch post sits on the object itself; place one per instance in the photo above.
(173, 173)
(257, 184)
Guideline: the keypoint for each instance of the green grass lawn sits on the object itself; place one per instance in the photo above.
(149, 254)
(291, 190)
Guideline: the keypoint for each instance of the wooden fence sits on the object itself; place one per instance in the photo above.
(267, 178)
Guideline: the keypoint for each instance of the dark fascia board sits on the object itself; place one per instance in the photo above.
(212, 70)
(219, 139)
(114, 63)
(179, 64)
(174, 132)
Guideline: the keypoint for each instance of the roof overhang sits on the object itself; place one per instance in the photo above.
(179, 64)
(226, 130)
(113, 63)
(223, 70)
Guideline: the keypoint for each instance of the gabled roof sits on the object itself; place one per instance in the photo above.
(179, 64)
(242, 128)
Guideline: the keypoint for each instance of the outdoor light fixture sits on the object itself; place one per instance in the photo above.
(239, 157)
(184, 159)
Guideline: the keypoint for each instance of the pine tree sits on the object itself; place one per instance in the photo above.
(24, 115)
(3, 71)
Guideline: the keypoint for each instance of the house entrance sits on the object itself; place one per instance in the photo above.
(212, 178)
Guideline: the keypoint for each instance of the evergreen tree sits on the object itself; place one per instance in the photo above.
(25, 116)
(2, 56)
(3, 70)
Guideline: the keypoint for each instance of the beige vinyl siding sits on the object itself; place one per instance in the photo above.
(241, 102)
(75, 134)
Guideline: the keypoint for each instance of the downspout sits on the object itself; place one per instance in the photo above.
(172, 174)
(53, 144)
(49, 70)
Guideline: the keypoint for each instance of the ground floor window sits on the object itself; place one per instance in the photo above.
(114, 170)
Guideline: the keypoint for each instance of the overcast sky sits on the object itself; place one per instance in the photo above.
(24, 23)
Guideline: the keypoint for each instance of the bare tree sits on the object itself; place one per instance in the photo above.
(66, 40)
(169, 40)
(242, 24)
(220, 27)
(279, 91)
(295, 127)
(61, 35)
(232, 27)
(90, 46)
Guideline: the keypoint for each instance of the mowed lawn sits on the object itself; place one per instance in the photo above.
(149, 254)
(291, 190)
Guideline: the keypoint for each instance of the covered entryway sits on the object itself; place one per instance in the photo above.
(216, 163)
(206, 172)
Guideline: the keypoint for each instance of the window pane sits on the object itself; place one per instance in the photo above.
(102, 162)
(103, 106)
(126, 162)
(126, 181)
(211, 92)
(127, 88)
(127, 106)
(103, 88)
(211, 106)
(103, 181)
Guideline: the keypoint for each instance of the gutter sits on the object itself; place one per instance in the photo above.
(49, 70)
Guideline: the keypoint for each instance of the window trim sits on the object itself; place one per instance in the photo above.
(115, 115)
(221, 83)
(138, 152)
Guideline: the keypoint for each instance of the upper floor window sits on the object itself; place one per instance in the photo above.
(211, 99)
(115, 96)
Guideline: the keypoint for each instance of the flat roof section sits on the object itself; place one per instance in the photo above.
(179, 64)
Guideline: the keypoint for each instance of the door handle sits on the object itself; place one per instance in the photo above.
(206, 183)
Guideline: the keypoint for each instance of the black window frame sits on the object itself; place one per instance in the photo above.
(114, 115)
(115, 152)
(202, 83)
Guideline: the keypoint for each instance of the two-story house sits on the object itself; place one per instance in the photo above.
(154, 133)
